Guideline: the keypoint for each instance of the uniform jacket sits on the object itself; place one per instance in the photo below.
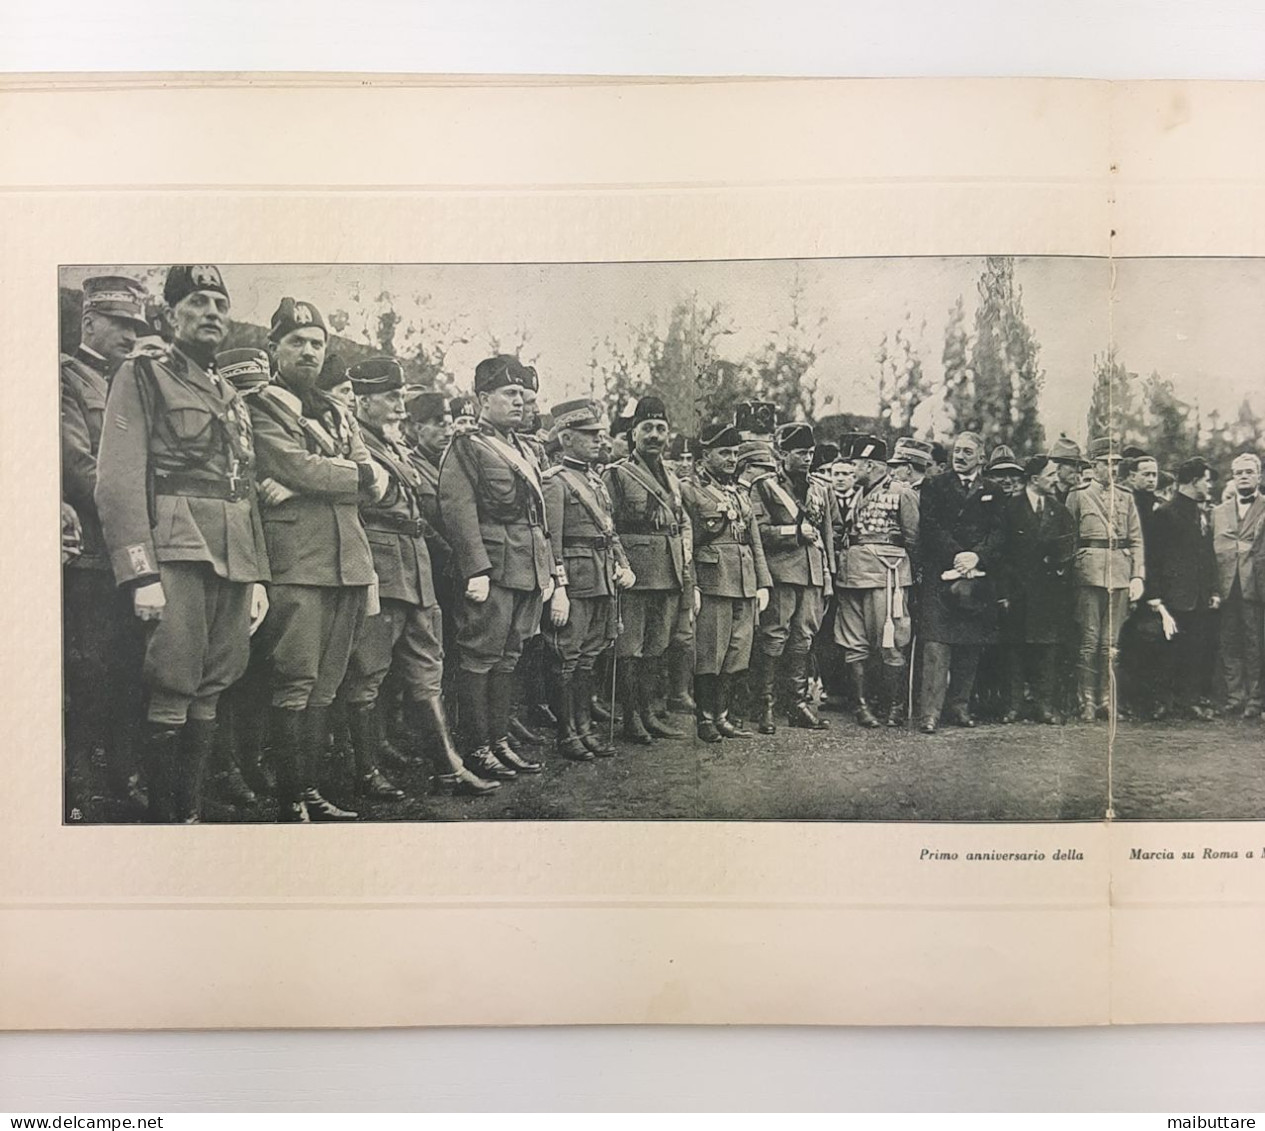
(1240, 547)
(396, 529)
(315, 538)
(954, 521)
(175, 473)
(84, 385)
(1185, 577)
(428, 500)
(582, 529)
(781, 507)
(492, 511)
(1036, 575)
(1109, 547)
(652, 523)
(728, 554)
(880, 536)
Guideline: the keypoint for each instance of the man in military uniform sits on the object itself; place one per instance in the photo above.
(175, 494)
(492, 510)
(962, 535)
(732, 578)
(796, 523)
(1141, 649)
(465, 414)
(875, 575)
(103, 642)
(655, 532)
(322, 568)
(1110, 572)
(1238, 532)
(428, 430)
(581, 621)
(681, 459)
(407, 631)
(910, 462)
(1182, 589)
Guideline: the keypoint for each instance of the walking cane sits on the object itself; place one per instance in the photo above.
(614, 667)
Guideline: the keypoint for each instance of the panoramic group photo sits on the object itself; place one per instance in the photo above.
(950, 539)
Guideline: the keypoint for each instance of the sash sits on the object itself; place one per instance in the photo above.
(1104, 513)
(517, 461)
(601, 520)
(654, 489)
(284, 414)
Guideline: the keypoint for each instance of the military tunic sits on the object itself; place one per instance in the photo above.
(409, 625)
(657, 537)
(729, 568)
(582, 529)
(175, 494)
(492, 511)
(321, 563)
(875, 573)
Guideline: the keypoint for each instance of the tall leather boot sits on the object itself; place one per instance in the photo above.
(569, 743)
(802, 714)
(600, 705)
(765, 673)
(581, 700)
(630, 696)
(705, 711)
(364, 723)
(161, 757)
(227, 783)
(727, 728)
(896, 688)
(680, 677)
(856, 679)
(429, 725)
(500, 699)
(648, 681)
(315, 736)
(196, 741)
(473, 691)
(287, 757)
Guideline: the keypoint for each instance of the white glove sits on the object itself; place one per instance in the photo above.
(1136, 587)
(761, 600)
(966, 561)
(698, 599)
(148, 601)
(373, 604)
(478, 588)
(559, 607)
(258, 607)
(272, 493)
(624, 578)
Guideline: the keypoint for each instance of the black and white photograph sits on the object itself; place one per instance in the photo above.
(909, 539)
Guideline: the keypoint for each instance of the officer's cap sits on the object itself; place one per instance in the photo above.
(582, 414)
(795, 438)
(1002, 460)
(1103, 448)
(862, 446)
(502, 372)
(427, 407)
(916, 453)
(756, 452)
(376, 375)
(719, 435)
(463, 405)
(291, 315)
(119, 297)
(244, 369)
(184, 279)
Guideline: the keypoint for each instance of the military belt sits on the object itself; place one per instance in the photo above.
(597, 542)
(671, 530)
(876, 540)
(397, 524)
(1103, 543)
(198, 487)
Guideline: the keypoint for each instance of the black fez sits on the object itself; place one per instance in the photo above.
(292, 315)
(502, 371)
(463, 405)
(184, 279)
(795, 438)
(719, 436)
(426, 407)
(826, 453)
(244, 369)
(376, 375)
(637, 411)
(861, 446)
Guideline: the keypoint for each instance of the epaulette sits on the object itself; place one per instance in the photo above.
(1078, 487)
(551, 472)
(617, 463)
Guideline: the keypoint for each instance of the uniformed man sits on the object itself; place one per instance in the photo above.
(492, 510)
(796, 520)
(176, 497)
(1110, 572)
(1141, 649)
(428, 430)
(656, 535)
(911, 462)
(322, 566)
(406, 634)
(732, 578)
(875, 576)
(103, 641)
(962, 535)
(582, 620)
(465, 414)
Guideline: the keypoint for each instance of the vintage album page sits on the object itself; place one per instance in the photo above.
(838, 908)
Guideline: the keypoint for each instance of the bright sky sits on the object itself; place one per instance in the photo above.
(1197, 321)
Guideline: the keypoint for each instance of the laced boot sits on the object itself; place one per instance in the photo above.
(864, 716)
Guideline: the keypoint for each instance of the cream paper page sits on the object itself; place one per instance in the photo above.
(549, 922)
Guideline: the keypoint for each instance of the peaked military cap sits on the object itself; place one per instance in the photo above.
(1103, 448)
(917, 453)
(119, 297)
(184, 279)
(795, 438)
(584, 414)
(463, 405)
(756, 452)
(376, 375)
(244, 369)
(1066, 450)
(861, 446)
(1003, 459)
(292, 315)
(426, 407)
(759, 418)
(501, 372)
